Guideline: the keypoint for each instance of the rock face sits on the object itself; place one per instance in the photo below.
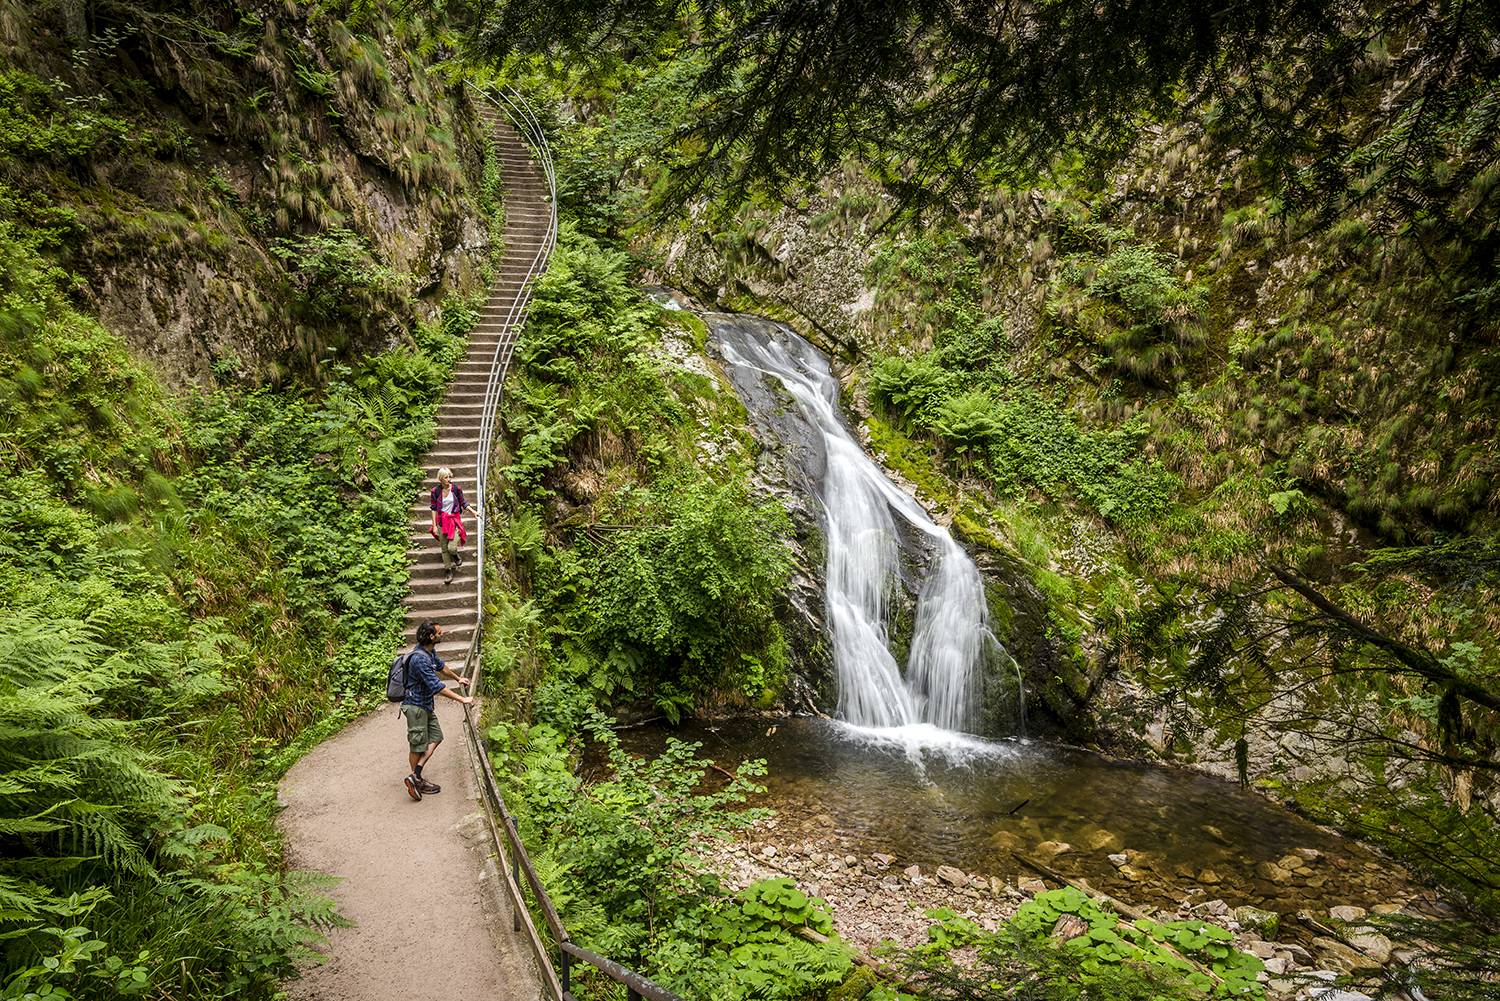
(315, 187)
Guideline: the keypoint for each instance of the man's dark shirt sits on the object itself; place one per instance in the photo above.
(422, 684)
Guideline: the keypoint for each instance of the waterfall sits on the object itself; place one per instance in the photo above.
(861, 506)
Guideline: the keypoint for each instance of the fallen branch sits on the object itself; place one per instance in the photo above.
(863, 959)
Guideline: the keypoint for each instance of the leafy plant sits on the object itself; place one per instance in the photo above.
(1109, 941)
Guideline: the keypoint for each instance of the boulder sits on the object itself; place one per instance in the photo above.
(1265, 923)
(1150, 861)
(1370, 942)
(1095, 839)
(1008, 841)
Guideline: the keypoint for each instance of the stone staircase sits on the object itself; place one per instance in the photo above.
(528, 215)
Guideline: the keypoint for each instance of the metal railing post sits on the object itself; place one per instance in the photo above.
(515, 863)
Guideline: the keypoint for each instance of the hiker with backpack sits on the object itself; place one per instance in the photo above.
(448, 507)
(420, 686)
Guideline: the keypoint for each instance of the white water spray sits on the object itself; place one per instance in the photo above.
(861, 505)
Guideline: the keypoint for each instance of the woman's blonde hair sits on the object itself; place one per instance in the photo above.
(444, 471)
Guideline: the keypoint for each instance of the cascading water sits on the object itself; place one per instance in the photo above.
(861, 506)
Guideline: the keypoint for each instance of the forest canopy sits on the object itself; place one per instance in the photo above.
(1334, 106)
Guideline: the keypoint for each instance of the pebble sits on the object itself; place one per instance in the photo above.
(1118, 860)
(1345, 912)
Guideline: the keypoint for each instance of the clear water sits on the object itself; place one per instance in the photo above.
(937, 798)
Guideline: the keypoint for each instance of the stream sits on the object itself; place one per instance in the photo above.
(895, 772)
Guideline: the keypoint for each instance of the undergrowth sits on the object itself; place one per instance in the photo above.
(195, 590)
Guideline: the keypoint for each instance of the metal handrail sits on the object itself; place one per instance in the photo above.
(636, 986)
(525, 122)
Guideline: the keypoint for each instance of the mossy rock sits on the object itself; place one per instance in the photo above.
(855, 986)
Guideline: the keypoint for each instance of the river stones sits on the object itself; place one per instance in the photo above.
(1008, 841)
(1096, 839)
(1370, 942)
(1335, 954)
(1346, 912)
(1049, 850)
(952, 876)
(1272, 873)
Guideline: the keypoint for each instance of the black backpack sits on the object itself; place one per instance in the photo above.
(395, 685)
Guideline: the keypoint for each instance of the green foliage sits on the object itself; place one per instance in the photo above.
(1024, 440)
(1110, 942)
(692, 590)
(764, 955)
(1129, 304)
(334, 276)
(193, 593)
(624, 856)
(1013, 964)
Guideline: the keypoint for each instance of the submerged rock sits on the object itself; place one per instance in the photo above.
(1049, 850)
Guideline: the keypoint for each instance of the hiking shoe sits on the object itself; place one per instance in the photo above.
(428, 787)
(414, 786)
(458, 560)
(449, 578)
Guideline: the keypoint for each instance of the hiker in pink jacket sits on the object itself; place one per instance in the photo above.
(448, 507)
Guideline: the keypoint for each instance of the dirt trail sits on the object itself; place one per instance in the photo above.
(432, 921)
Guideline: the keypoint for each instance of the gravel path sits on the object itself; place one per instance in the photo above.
(432, 920)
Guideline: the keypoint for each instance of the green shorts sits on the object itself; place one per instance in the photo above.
(422, 728)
